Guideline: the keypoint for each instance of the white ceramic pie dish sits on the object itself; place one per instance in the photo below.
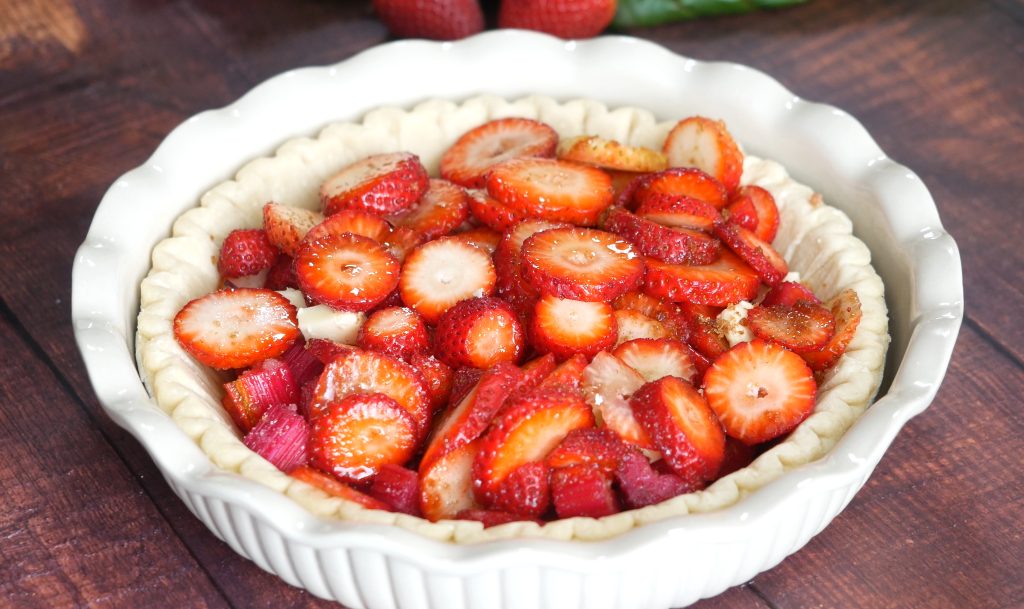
(379, 566)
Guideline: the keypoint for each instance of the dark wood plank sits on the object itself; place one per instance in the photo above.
(76, 527)
(938, 523)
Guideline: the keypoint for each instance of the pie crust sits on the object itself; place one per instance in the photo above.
(815, 239)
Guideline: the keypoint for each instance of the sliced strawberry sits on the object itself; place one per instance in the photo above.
(583, 490)
(568, 375)
(706, 336)
(566, 327)
(491, 212)
(436, 376)
(760, 391)
(398, 487)
(380, 184)
(281, 437)
(507, 255)
(553, 190)
(245, 252)
(608, 384)
(741, 210)
(641, 485)
(765, 210)
(440, 273)
(236, 328)
(633, 325)
(360, 372)
(737, 456)
(525, 490)
(394, 299)
(847, 312)
(667, 188)
(357, 222)
(401, 240)
(706, 144)
(256, 391)
(682, 426)
(533, 373)
(679, 212)
(610, 154)
(286, 226)
(473, 154)
(464, 379)
(282, 275)
(470, 416)
(480, 333)
(581, 263)
(326, 351)
(446, 483)
(622, 181)
(801, 327)
(789, 293)
(726, 281)
(482, 237)
(396, 331)
(493, 518)
(597, 446)
(526, 432)
(345, 271)
(654, 358)
(357, 435)
(675, 245)
(335, 488)
(760, 255)
(668, 314)
(441, 210)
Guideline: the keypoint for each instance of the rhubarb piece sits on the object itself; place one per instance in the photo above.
(640, 485)
(398, 487)
(256, 391)
(281, 437)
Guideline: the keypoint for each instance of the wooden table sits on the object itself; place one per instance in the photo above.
(88, 88)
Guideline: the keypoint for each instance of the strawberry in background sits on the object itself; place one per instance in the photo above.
(434, 19)
(562, 18)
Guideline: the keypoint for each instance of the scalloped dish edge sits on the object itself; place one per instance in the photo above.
(815, 239)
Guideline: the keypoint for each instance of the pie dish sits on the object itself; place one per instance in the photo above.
(276, 533)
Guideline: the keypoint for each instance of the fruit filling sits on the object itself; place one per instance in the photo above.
(535, 334)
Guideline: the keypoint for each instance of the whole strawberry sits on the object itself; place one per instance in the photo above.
(562, 18)
(434, 19)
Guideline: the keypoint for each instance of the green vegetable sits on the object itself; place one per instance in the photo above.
(634, 13)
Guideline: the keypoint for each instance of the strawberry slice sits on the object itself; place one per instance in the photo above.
(527, 431)
(705, 143)
(759, 254)
(666, 189)
(675, 245)
(755, 206)
(668, 314)
(479, 333)
(491, 212)
(533, 373)
(257, 390)
(789, 293)
(622, 181)
(493, 518)
(443, 208)
(720, 284)
(583, 490)
(568, 375)
(396, 331)
(357, 435)
(359, 372)
(634, 324)
(473, 154)
(436, 377)
(286, 226)
(679, 212)
(442, 272)
(641, 485)
(526, 490)
(608, 384)
(706, 336)
(760, 391)
(335, 488)
(345, 271)
(507, 255)
(236, 328)
(245, 252)
(581, 263)
(380, 184)
(398, 487)
(737, 456)
(654, 358)
(352, 221)
(446, 483)
(610, 154)
(566, 327)
(558, 191)
(804, 326)
(482, 237)
(471, 415)
(403, 240)
(682, 426)
(598, 446)
(326, 351)
(845, 308)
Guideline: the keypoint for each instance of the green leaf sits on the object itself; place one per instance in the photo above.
(640, 13)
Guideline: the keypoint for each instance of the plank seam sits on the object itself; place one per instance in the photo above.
(994, 342)
(761, 595)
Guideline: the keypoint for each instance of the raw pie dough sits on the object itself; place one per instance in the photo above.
(815, 239)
